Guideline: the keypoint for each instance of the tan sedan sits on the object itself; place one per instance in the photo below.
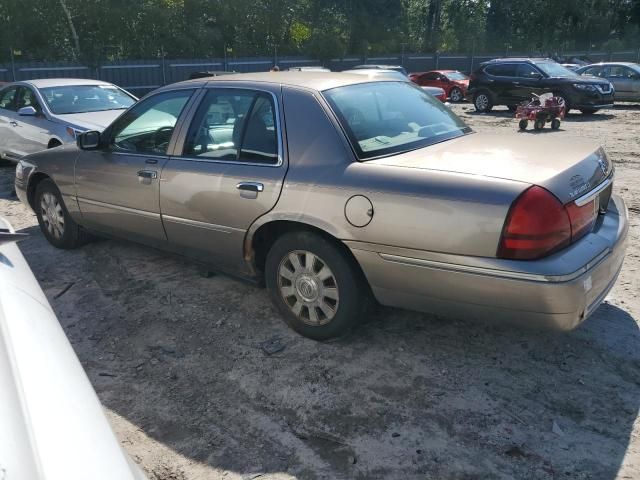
(336, 190)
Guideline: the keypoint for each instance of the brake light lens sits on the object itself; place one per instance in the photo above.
(582, 218)
(538, 225)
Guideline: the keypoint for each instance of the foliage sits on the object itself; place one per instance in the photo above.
(115, 29)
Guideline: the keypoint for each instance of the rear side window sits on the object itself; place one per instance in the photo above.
(234, 125)
(620, 71)
(7, 98)
(502, 70)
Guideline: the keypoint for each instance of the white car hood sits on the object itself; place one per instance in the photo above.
(90, 120)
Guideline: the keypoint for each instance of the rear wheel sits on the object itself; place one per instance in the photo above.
(555, 124)
(482, 101)
(316, 285)
(55, 222)
(455, 95)
(523, 124)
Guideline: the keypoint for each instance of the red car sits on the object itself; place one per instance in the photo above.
(454, 83)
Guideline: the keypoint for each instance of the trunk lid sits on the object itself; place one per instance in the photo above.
(568, 169)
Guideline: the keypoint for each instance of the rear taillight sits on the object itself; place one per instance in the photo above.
(538, 224)
(582, 218)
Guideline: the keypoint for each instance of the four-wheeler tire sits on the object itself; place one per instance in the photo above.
(316, 285)
(523, 124)
(538, 124)
(482, 101)
(455, 95)
(55, 222)
(588, 111)
(555, 124)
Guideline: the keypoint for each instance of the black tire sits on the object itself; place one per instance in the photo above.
(455, 95)
(538, 124)
(555, 124)
(588, 111)
(523, 124)
(353, 295)
(482, 101)
(72, 234)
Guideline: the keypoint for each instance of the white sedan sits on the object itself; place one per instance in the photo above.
(46, 113)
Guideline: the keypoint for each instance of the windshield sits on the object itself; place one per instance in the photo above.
(85, 98)
(456, 76)
(555, 69)
(382, 118)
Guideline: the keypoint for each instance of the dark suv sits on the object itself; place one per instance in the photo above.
(510, 81)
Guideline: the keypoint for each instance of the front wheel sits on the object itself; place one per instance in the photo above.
(523, 124)
(316, 285)
(55, 222)
(555, 124)
(455, 95)
(482, 101)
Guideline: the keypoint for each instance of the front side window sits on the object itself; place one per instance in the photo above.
(148, 127)
(527, 71)
(236, 125)
(431, 76)
(383, 118)
(28, 99)
(553, 69)
(85, 98)
(7, 98)
(594, 71)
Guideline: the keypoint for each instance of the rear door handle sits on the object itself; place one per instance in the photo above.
(250, 187)
(148, 174)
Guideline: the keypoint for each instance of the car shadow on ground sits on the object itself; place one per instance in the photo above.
(594, 117)
(207, 368)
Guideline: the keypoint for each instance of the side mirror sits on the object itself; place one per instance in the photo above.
(536, 75)
(89, 140)
(27, 112)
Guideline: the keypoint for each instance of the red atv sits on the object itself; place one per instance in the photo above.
(540, 110)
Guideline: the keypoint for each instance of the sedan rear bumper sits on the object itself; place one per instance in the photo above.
(557, 292)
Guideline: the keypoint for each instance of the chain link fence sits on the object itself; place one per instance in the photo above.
(142, 76)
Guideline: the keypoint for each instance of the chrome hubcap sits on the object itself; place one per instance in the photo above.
(456, 95)
(52, 215)
(308, 287)
(481, 102)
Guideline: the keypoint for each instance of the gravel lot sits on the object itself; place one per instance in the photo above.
(180, 363)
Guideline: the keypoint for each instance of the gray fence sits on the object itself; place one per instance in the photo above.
(142, 76)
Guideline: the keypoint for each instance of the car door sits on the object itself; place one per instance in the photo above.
(117, 185)
(503, 83)
(622, 79)
(32, 131)
(429, 79)
(228, 170)
(529, 81)
(8, 122)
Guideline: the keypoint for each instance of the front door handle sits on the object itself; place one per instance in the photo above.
(13, 124)
(250, 187)
(148, 174)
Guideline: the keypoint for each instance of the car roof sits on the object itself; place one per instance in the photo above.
(622, 64)
(61, 82)
(311, 80)
(518, 59)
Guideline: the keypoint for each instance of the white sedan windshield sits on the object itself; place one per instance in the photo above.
(85, 98)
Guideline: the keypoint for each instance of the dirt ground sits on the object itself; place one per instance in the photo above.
(180, 363)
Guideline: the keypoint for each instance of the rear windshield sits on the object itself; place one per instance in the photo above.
(554, 69)
(383, 118)
(85, 98)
